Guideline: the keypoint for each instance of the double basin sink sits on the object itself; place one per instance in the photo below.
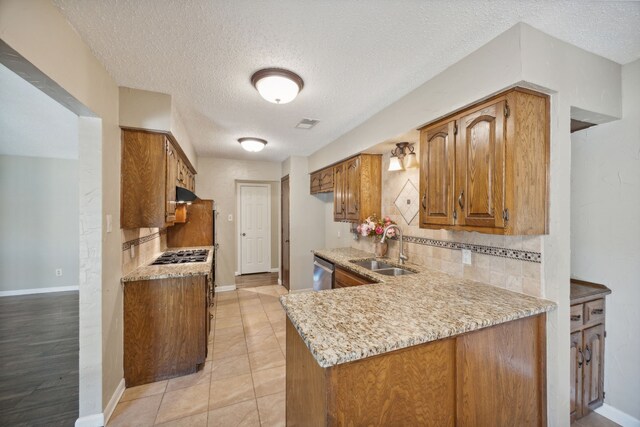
(381, 267)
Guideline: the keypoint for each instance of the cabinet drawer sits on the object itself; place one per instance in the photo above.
(594, 312)
(344, 278)
(576, 316)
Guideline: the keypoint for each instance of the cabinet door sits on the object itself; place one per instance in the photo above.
(326, 180)
(577, 361)
(315, 182)
(352, 189)
(593, 368)
(339, 192)
(480, 149)
(437, 152)
(171, 178)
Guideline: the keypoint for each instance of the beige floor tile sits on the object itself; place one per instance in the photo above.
(197, 420)
(243, 414)
(276, 316)
(228, 311)
(230, 367)
(272, 306)
(266, 359)
(226, 302)
(269, 381)
(224, 296)
(230, 332)
(223, 349)
(231, 390)
(183, 402)
(201, 377)
(253, 308)
(139, 412)
(254, 318)
(279, 327)
(144, 391)
(258, 329)
(281, 335)
(227, 322)
(264, 341)
(272, 410)
(248, 302)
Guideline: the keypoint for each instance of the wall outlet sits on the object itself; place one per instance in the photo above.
(230, 218)
(132, 251)
(58, 272)
(339, 234)
(466, 256)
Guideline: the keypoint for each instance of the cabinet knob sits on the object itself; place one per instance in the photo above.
(587, 353)
(580, 358)
(424, 201)
(597, 311)
(460, 202)
(244, 234)
(575, 317)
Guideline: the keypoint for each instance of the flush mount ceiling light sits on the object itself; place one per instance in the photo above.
(277, 85)
(252, 144)
(403, 157)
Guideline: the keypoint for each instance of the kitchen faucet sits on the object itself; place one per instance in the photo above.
(402, 257)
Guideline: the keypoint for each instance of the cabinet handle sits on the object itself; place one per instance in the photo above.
(460, 202)
(575, 317)
(580, 358)
(587, 353)
(597, 311)
(424, 201)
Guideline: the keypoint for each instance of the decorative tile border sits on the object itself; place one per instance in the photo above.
(481, 249)
(136, 242)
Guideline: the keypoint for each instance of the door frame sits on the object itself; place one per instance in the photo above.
(239, 185)
(285, 282)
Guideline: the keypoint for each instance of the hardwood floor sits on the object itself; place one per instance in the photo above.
(39, 359)
(254, 280)
(594, 420)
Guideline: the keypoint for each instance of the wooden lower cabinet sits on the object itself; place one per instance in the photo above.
(491, 377)
(345, 278)
(166, 327)
(587, 347)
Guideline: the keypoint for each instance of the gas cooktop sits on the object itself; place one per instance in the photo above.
(182, 257)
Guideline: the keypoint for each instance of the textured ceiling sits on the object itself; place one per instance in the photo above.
(356, 57)
(31, 123)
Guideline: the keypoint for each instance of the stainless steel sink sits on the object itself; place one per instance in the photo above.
(394, 271)
(372, 264)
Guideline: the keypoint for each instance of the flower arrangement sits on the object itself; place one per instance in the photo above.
(374, 227)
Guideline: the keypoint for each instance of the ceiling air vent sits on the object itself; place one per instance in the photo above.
(307, 123)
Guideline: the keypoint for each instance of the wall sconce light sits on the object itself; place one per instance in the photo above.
(403, 157)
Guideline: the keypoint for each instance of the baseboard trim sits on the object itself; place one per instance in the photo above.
(115, 398)
(225, 288)
(95, 420)
(236, 274)
(300, 291)
(38, 291)
(275, 270)
(617, 416)
(279, 282)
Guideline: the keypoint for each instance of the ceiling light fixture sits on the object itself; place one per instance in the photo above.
(403, 157)
(277, 85)
(252, 144)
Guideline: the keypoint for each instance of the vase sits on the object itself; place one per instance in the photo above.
(380, 248)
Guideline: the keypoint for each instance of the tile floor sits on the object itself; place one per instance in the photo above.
(243, 380)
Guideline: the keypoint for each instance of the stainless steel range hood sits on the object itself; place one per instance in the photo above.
(184, 196)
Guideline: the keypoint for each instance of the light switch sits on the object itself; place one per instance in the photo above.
(109, 223)
(466, 256)
(339, 234)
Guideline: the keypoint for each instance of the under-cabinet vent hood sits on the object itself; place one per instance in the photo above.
(184, 196)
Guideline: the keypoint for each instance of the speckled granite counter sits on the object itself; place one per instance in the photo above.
(150, 272)
(347, 324)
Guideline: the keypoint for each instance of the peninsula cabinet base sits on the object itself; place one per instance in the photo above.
(490, 377)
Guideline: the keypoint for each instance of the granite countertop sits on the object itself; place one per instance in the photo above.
(347, 324)
(151, 272)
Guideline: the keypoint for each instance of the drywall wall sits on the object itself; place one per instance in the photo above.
(217, 180)
(605, 234)
(28, 28)
(306, 223)
(154, 111)
(39, 223)
(521, 55)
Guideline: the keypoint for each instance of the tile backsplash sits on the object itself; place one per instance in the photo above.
(140, 245)
(511, 262)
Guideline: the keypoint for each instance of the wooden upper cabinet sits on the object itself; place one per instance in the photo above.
(357, 184)
(339, 184)
(326, 180)
(480, 162)
(490, 176)
(315, 182)
(437, 177)
(150, 172)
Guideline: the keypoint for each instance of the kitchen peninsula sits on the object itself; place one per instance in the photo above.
(420, 349)
(166, 315)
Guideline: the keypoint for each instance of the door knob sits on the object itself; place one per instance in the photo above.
(244, 234)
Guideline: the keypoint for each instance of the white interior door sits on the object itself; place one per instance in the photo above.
(255, 229)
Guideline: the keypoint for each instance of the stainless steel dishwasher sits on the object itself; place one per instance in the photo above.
(322, 274)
